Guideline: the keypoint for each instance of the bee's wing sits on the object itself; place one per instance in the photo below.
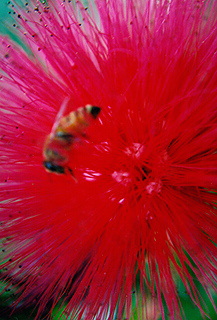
(60, 114)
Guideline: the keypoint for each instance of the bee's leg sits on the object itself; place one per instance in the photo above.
(71, 173)
(83, 135)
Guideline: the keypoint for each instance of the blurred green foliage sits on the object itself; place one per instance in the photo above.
(7, 22)
(6, 19)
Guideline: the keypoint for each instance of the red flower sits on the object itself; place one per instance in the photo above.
(144, 205)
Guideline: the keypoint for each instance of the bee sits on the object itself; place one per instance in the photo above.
(65, 132)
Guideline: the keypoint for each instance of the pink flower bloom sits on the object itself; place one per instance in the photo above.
(143, 209)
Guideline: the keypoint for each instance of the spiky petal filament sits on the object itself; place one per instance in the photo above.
(143, 206)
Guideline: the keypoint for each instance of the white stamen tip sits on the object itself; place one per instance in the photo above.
(153, 187)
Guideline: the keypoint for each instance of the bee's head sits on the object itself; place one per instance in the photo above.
(93, 110)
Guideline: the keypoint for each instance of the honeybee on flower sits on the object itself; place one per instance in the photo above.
(65, 131)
